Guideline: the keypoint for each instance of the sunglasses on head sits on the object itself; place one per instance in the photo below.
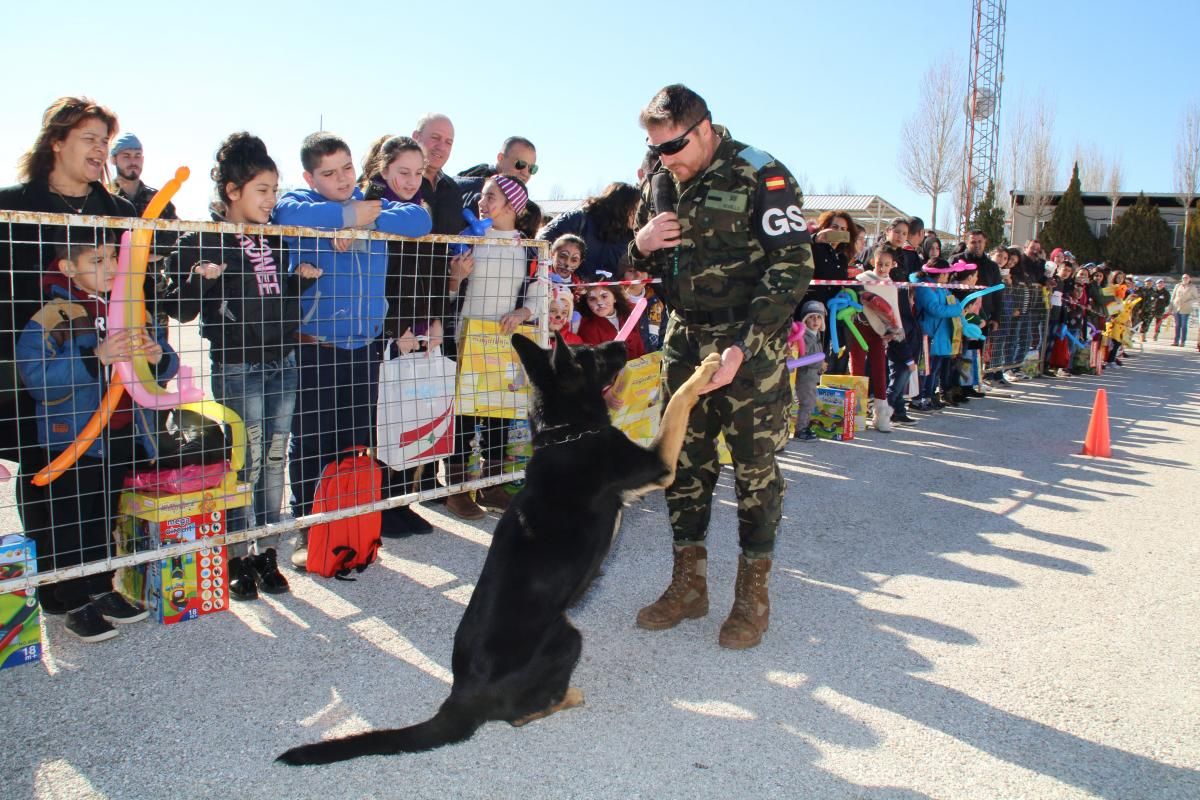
(673, 146)
(523, 164)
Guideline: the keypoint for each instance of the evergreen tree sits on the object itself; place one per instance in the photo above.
(1140, 241)
(1193, 241)
(1068, 227)
(989, 218)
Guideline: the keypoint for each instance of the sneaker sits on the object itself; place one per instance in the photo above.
(86, 624)
(804, 435)
(242, 585)
(902, 418)
(921, 404)
(403, 521)
(300, 558)
(267, 574)
(116, 609)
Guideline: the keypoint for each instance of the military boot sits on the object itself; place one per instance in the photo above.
(686, 597)
(751, 612)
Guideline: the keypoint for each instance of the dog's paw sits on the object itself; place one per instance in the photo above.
(702, 374)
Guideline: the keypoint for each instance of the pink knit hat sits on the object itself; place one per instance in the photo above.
(514, 190)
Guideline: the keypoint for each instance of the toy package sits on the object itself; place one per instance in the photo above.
(833, 415)
(858, 384)
(20, 623)
(187, 586)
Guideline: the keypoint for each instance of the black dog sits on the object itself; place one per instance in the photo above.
(515, 649)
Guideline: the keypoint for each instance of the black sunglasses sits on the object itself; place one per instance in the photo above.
(523, 164)
(673, 146)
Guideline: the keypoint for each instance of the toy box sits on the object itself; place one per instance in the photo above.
(858, 384)
(20, 623)
(833, 415)
(187, 586)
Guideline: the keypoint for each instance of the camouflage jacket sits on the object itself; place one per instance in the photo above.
(142, 197)
(745, 254)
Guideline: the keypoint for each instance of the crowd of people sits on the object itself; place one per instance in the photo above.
(296, 325)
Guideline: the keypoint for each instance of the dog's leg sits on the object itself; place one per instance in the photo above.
(671, 430)
(572, 698)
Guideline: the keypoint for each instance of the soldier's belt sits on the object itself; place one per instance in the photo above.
(715, 316)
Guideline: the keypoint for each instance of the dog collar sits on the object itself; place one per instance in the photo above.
(540, 439)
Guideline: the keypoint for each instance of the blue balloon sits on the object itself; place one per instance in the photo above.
(475, 227)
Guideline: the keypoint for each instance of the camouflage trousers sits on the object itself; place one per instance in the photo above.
(751, 414)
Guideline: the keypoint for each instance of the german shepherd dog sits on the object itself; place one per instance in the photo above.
(515, 649)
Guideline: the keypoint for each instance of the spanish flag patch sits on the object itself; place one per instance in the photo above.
(776, 183)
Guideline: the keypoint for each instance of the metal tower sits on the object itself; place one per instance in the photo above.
(985, 76)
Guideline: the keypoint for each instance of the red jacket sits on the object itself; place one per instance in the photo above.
(596, 330)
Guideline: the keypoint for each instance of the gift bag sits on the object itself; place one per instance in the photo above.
(415, 412)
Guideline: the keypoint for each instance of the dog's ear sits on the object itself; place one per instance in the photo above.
(534, 359)
(563, 359)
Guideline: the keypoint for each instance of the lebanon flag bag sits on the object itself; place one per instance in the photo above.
(335, 548)
(414, 420)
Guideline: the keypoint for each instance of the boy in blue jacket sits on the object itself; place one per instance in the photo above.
(342, 314)
(63, 356)
(938, 311)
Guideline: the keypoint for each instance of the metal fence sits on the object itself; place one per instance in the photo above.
(194, 405)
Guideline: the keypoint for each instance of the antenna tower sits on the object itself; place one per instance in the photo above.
(984, 79)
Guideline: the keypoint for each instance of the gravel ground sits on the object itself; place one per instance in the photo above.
(968, 609)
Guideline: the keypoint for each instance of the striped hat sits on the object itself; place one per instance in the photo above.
(514, 190)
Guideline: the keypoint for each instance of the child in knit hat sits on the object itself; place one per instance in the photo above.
(812, 316)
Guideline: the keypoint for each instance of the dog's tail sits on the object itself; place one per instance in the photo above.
(451, 724)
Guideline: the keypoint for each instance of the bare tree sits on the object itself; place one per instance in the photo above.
(1032, 158)
(1187, 166)
(930, 159)
(1093, 167)
(845, 187)
(1113, 187)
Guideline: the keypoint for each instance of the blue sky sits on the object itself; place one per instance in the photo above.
(824, 87)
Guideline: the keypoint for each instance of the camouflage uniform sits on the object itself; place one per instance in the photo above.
(743, 265)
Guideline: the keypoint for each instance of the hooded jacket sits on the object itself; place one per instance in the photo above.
(56, 358)
(937, 309)
(347, 305)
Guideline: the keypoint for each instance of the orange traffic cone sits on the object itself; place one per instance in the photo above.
(1096, 442)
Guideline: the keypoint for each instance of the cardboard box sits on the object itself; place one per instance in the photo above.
(182, 587)
(20, 614)
(833, 415)
(858, 384)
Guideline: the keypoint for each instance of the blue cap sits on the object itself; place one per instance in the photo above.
(126, 141)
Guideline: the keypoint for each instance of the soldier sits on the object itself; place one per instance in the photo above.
(735, 260)
(127, 159)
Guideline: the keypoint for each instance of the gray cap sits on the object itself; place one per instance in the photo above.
(813, 307)
(126, 141)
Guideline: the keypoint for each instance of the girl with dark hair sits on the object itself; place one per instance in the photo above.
(249, 312)
(605, 223)
(604, 312)
(931, 247)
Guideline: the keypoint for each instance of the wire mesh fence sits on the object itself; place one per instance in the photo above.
(181, 393)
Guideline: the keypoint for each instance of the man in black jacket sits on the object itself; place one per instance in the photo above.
(435, 133)
(516, 159)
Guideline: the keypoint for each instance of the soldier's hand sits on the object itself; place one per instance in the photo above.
(731, 362)
(661, 231)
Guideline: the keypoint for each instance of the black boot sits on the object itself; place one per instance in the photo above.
(267, 574)
(402, 521)
(241, 579)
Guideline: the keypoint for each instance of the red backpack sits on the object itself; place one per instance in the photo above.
(335, 548)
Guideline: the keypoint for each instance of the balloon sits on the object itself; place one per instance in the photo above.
(973, 296)
(1065, 333)
(796, 337)
(804, 361)
(844, 301)
(475, 227)
(134, 317)
(972, 331)
(634, 316)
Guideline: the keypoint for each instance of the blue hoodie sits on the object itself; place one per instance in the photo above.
(936, 312)
(347, 305)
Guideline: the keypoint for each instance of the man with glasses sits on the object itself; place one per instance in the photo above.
(517, 159)
(720, 224)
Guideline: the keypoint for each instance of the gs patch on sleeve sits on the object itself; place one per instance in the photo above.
(778, 219)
